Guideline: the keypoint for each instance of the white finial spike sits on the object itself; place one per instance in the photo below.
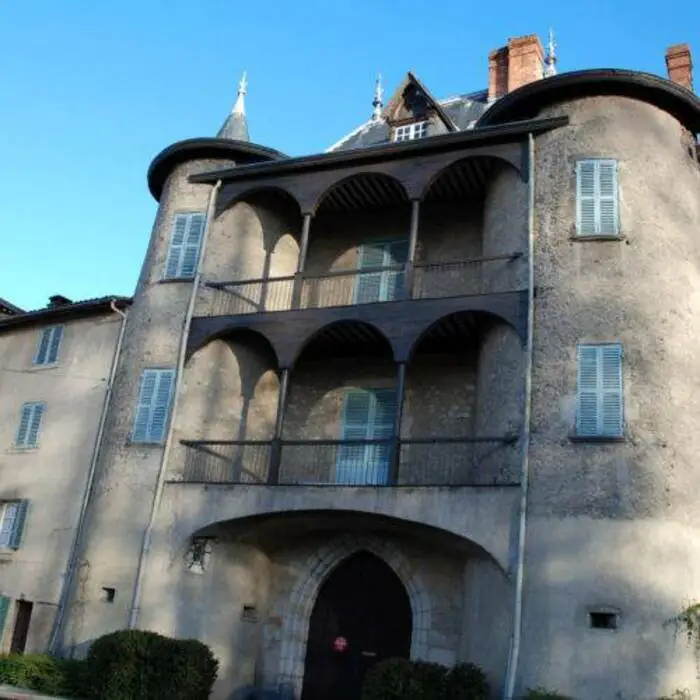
(550, 68)
(239, 107)
(377, 102)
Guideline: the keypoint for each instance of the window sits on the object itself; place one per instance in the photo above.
(381, 285)
(599, 391)
(597, 198)
(49, 346)
(29, 424)
(4, 608)
(12, 517)
(408, 132)
(154, 405)
(367, 415)
(185, 242)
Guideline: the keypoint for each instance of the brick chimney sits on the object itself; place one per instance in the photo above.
(680, 65)
(514, 65)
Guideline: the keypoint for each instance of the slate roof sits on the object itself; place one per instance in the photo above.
(8, 309)
(235, 128)
(463, 110)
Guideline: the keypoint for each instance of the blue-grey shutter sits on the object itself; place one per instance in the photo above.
(193, 242)
(597, 198)
(185, 243)
(369, 284)
(18, 529)
(43, 349)
(611, 390)
(55, 344)
(8, 511)
(586, 198)
(161, 405)
(599, 393)
(608, 197)
(396, 254)
(351, 459)
(35, 424)
(153, 405)
(4, 607)
(29, 424)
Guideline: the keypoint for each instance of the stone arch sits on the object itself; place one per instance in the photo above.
(471, 174)
(311, 577)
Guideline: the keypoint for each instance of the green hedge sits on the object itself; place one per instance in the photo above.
(125, 665)
(132, 664)
(400, 679)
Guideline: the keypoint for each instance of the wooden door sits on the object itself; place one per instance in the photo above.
(362, 615)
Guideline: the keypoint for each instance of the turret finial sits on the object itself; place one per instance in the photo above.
(550, 61)
(239, 107)
(377, 102)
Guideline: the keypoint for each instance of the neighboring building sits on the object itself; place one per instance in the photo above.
(55, 368)
(433, 393)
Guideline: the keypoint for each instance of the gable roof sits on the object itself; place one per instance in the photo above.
(397, 98)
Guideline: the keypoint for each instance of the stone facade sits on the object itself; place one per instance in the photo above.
(52, 476)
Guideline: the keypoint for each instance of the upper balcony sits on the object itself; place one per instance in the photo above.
(453, 225)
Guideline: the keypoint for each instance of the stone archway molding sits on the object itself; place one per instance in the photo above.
(317, 568)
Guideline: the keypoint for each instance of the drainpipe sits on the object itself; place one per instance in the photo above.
(160, 483)
(514, 654)
(87, 492)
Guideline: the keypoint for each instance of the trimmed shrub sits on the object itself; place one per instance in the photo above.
(400, 679)
(134, 664)
(38, 672)
(466, 682)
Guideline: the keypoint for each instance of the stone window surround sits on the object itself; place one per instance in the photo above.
(316, 570)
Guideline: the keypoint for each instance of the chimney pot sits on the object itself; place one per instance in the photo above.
(679, 64)
(517, 64)
(59, 300)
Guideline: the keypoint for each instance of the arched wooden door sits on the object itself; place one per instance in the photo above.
(362, 615)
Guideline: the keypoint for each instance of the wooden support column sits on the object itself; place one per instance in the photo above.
(412, 244)
(301, 264)
(273, 473)
(398, 417)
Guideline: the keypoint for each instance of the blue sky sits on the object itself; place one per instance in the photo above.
(90, 91)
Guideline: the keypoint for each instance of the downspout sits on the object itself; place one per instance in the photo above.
(160, 483)
(87, 492)
(514, 655)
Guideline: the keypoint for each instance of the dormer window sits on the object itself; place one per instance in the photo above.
(408, 132)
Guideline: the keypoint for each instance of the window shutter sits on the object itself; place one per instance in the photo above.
(356, 415)
(35, 424)
(599, 410)
(7, 523)
(29, 424)
(4, 607)
(607, 197)
(55, 344)
(161, 405)
(369, 285)
(185, 242)
(597, 198)
(586, 198)
(396, 254)
(193, 242)
(153, 405)
(43, 349)
(611, 390)
(384, 414)
(20, 519)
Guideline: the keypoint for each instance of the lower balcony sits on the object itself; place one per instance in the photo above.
(479, 461)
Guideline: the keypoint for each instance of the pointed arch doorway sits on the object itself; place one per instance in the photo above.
(362, 615)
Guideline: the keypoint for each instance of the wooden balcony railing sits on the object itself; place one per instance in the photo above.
(480, 461)
(431, 280)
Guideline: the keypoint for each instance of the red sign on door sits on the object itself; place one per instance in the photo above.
(340, 644)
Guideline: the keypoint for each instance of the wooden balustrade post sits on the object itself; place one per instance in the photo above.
(395, 463)
(412, 244)
(301, 263)
(273, 473)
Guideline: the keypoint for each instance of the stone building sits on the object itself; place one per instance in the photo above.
(55, 373)
(431, 393)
